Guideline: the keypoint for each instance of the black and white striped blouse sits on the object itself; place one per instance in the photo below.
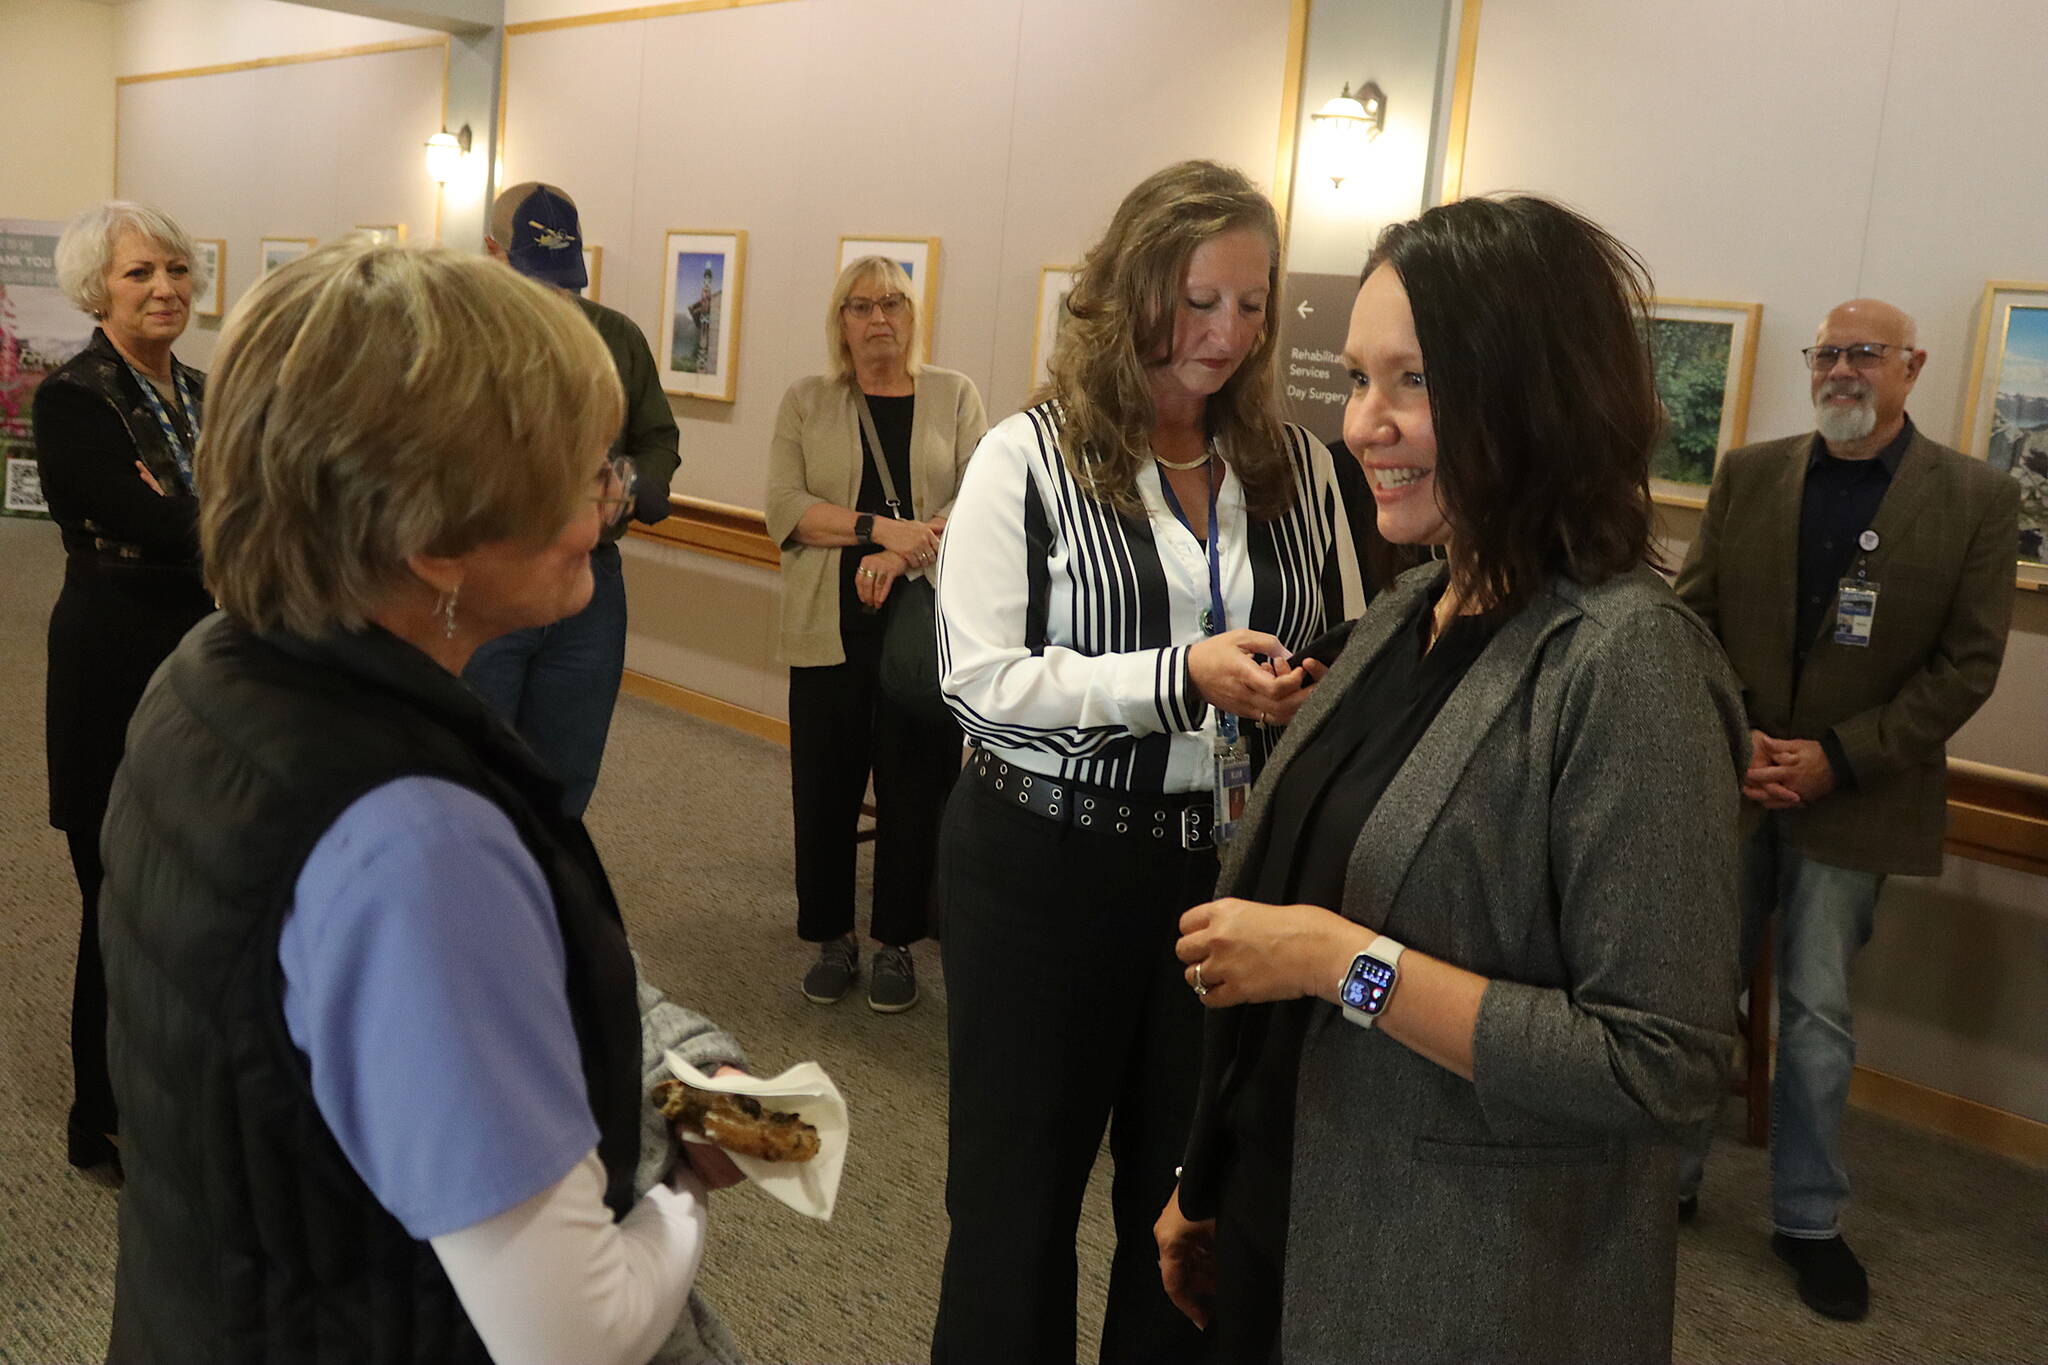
(1064, 624)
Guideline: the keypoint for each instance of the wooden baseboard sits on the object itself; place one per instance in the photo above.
(1979, 1125)
(706, 707)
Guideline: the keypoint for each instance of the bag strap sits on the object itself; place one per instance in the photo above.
(876, 455)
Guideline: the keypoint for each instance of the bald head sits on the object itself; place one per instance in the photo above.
(1869, 357)
(1871, 320)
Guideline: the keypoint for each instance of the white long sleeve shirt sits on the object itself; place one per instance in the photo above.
(1064, 625)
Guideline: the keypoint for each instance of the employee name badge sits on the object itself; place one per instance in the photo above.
(1855, 612)
(1233, 782)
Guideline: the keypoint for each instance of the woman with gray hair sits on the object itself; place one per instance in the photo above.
(373, 1015)
(115, 431)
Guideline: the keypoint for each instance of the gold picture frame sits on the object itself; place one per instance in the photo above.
(2005, 417)
(703, 278)
(213, 251)
(1704, 352)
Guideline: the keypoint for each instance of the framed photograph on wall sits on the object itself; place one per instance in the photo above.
(213, 263)
(919, 257)
(1704, 351)
(700, 313)
(1054, 282)
(272, 252)
(384, 234)
(2007, 420)
(593, 267)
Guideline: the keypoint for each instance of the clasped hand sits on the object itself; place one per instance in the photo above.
(916, 541)
(1786, 773)
(1230, 678)
(1250, 953)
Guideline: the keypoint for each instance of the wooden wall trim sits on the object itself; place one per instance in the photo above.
(738, 534)
(1979, 1125)
(706, 707)
(623, 16)
(292, 59)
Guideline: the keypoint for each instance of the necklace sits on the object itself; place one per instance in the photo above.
(1183, 466)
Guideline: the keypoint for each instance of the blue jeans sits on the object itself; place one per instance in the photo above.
(1824, 915)
(557, 684)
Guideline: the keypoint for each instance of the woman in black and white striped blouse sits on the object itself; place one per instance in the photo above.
(1129, 568)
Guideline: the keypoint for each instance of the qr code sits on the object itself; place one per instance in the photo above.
(25, 488)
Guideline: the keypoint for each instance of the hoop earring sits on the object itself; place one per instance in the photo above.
(448, 613)
(1439, 553)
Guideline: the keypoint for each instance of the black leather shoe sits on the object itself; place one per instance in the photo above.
(1831, 1279)
(1688, 1207)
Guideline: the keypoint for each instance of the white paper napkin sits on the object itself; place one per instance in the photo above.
(810, 1187)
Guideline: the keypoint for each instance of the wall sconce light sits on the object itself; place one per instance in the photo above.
(1352, 120)
(445, 154)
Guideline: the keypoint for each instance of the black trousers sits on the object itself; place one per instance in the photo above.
(1066, 1011)
(92, 1094)
(842, 726)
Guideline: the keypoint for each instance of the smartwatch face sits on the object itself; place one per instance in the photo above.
(1367, 984)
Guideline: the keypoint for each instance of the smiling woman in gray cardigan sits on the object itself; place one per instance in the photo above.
(1474, 970)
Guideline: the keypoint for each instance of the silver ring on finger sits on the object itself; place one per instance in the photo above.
(1200, 989)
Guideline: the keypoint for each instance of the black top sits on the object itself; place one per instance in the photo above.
(1839, 502)
(892, 424)
(1316, 811)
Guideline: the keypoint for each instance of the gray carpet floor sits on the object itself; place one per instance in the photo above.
(693, 822)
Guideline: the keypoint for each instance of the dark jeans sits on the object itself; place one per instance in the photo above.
(92, 1095)
(842, 726)
(1066, 1012)
(557, 684)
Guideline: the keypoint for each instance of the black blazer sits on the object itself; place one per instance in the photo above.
(132, 585)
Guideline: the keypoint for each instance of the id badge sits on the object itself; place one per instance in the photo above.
(1855, 613)
(1233, 785)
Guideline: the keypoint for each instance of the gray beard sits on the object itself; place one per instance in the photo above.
(1842, 426)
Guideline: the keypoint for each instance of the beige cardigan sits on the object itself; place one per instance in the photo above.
(816, 458)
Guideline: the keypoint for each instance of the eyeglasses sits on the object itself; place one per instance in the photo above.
(1863, 356)
(615, 483)
(892, 305)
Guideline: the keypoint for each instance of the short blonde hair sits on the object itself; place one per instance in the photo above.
(369, 403)
(868, 270)
(85, 251)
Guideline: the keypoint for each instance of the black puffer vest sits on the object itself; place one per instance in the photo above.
(245, 1234)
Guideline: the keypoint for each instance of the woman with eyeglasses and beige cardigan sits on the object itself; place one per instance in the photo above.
(854, 523)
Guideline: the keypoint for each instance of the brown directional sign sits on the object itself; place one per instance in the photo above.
(1315, 313)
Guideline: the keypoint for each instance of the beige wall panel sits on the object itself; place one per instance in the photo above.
(1731, 145)
(308, 150)
(57, 69)
(174, 35)
(704, 624)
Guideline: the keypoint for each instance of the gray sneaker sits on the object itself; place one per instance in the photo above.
(834, 973)
(892, 981)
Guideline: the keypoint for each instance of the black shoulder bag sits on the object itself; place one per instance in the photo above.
(910, 646)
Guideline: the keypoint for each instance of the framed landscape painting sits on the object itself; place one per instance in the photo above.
(919, 257)
(213, 263)
(272, 252)
(384, 234)
(700, 313)
(2007, 420)
(1704, 352)
(593, 267)
(1054, 282)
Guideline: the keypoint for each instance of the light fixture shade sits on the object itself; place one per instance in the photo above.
(1342, 107)
(1362, 115)
(444, 155)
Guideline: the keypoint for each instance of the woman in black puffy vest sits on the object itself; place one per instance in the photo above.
(372, 1013)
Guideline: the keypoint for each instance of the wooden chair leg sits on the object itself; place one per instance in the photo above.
(1756, 1081)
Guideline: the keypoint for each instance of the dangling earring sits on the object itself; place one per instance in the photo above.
(448, 613)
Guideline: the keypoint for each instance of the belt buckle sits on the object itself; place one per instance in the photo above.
(1193, 835)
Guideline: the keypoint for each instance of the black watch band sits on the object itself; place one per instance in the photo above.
(864, 528)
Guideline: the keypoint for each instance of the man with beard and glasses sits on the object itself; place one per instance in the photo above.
(1860, 580)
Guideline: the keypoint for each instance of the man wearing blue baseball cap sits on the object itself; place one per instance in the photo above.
(557, 684)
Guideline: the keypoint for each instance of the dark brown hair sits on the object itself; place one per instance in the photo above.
(1119, 320)
(1530, 319)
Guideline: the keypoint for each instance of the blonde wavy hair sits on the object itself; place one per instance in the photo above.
(1119, 324)
(875, 270)
(355, 419)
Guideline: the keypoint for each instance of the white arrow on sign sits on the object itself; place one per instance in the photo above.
(1302, 310)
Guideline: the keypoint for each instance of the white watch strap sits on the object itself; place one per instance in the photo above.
(1389, 952)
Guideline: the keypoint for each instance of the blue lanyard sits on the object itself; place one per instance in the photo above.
(163, 419)
(1216, 619)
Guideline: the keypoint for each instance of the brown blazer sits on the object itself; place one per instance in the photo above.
(1948, 530)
